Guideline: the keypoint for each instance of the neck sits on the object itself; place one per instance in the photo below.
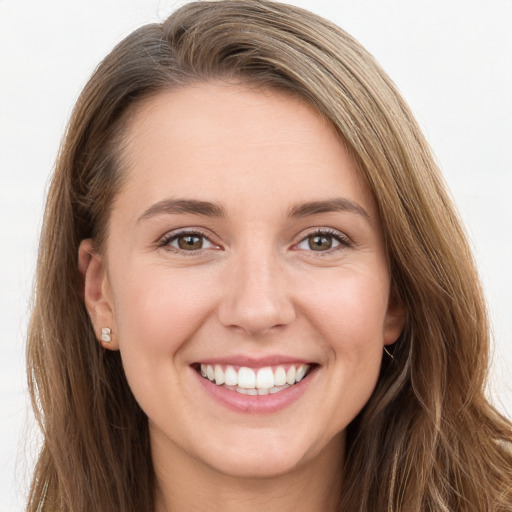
(184, 484)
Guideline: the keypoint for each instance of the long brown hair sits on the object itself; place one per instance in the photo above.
(427, 439)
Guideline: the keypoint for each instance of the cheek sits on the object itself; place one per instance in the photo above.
(349, 309)
(158, 310)
(349, 321)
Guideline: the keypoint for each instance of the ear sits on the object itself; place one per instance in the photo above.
(394, 322)
(97, 293)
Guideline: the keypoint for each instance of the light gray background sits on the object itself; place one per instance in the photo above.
(450, 58)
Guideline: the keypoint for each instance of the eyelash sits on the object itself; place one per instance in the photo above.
(338, 236)
(171, 237)
(342, 239)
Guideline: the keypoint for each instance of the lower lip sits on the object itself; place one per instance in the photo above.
(256, 404)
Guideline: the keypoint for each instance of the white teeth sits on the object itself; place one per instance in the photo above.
(277, 389)
(290, 375)
(231, 376)
(219, 375)
(301, 372)
(280, 376)
(246, 378)
(265, 378)
(254, 382)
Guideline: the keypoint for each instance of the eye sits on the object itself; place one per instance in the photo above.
(323, 241)
(188, 241)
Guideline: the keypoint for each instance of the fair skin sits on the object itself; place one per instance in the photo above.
(243, 237)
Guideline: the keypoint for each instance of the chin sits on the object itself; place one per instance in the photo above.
(258, 466)
(254, 457)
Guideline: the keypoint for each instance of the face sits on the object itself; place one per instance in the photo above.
(245, 280)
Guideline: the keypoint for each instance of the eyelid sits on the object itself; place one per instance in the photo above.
(164, 241)
(343, 240)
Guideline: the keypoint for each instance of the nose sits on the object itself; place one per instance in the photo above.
(258, 296)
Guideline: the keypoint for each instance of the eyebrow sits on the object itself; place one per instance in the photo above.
(337, 204)
(209, 209)
(177, 206)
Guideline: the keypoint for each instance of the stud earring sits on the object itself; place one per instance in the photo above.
(105, 334)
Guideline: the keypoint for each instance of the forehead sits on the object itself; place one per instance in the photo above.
(230, 144)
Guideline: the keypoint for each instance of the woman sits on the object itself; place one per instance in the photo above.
(247, 218)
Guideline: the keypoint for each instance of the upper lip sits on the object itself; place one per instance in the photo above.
(254, 362)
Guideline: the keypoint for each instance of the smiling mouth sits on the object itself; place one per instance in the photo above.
(251, 381)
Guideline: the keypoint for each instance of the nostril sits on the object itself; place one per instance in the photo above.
(257, 302)
(257, 322)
